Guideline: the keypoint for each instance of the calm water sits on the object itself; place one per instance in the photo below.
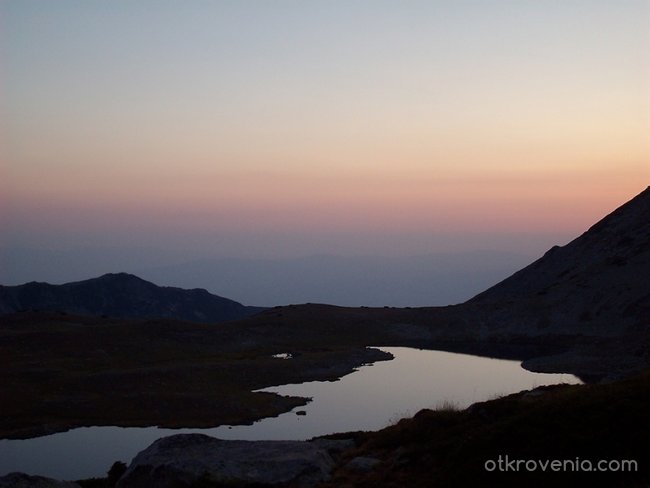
(368, 399)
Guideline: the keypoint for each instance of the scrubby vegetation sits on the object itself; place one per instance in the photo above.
(574, 423)
(117, 470)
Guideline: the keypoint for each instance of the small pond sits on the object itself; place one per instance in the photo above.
(369, 399)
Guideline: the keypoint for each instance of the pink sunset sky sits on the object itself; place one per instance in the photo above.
(293, 128)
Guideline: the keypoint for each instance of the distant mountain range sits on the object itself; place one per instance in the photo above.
(352, 281)
(436, 278)
(123, 295)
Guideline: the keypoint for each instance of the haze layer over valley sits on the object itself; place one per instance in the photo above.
(400, 281)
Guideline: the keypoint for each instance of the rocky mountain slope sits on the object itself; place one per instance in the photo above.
(597, 285)
(122, 295)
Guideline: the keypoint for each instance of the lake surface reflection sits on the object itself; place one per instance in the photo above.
(368, 399)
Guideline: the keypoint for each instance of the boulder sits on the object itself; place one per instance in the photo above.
(362, 464)
(184, 459)
(333, 446)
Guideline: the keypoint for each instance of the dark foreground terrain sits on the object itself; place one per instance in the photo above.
(588, 423)
(61, 371)
(566, 436)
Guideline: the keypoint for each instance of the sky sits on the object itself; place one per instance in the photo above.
(288, 128)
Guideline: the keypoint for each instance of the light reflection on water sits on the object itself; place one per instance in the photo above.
(368, 399)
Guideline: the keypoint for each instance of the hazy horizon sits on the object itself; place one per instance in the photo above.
(148, 134)
(428, 280)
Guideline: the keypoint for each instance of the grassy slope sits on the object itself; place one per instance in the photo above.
(59, 371)
(449, 448)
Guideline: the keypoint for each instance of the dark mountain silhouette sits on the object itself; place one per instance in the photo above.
(597, 285)
(123, 295)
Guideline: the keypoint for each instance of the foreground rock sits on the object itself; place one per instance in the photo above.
(185, 459)
(22, 480)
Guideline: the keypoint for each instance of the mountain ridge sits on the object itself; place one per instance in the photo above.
(596, 280)
(123, 295)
